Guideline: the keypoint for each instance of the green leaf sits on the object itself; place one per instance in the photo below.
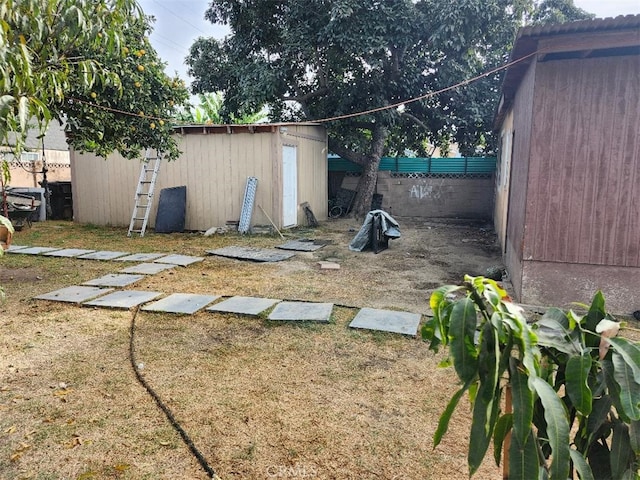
(598, 456)
(629, 388)
(522, 398)
(443, 422)
(462, 328)
(621, 452)
(23, 112)
(483, 422)
(581, 465)
(526, 340)
(594, 315)
(553, 331)
(599, 413)
(523, 459)
(577, 375)
(634, 436)
(487, 399)
(503, 427)
(489, 360)
(439, 296)
(428, 333)
(608, 371)
(630, 352)
(557, 428)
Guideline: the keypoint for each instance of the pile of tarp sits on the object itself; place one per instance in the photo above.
(377, 229)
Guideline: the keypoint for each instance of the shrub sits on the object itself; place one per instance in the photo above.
(569, 384)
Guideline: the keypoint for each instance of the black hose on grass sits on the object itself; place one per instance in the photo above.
(172, 420)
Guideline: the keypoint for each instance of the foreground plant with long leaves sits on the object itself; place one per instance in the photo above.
(571, 386)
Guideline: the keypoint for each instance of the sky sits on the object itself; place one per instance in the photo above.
(180, 22)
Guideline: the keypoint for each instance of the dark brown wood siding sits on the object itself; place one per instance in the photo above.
(584, 195)
(522, 123)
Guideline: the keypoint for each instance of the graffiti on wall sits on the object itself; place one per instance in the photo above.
(424, 191)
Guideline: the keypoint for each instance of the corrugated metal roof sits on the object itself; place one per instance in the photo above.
(526, 43)
(582, 26)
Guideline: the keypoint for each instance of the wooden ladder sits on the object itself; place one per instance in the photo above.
(144, 193)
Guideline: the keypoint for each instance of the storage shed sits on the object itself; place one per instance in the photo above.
(567, 208)
(289, 161)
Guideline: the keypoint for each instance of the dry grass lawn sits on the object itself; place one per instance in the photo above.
(259, 399)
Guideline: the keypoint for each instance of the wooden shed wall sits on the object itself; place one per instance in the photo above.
(313, 170)
(522, 125)
(584, 200)
(502, 179)
(214, 168)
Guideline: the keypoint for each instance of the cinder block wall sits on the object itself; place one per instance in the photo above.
(432, 197)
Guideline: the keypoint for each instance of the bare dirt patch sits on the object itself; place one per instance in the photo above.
(21, 275)
(260, 399)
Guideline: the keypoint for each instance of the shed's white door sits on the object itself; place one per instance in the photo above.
(289, 186)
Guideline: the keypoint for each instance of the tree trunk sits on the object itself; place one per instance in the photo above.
(369, 177)
(366, 188)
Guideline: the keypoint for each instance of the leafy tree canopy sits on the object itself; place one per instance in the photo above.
(316, 59)
(559, 11)
(88, 62)
(209, 111)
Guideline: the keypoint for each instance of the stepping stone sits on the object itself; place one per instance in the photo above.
(68, 252)
(36, 250)
(103, 255)
(13, 248)
(252, 253)
(114, 280)
(243, 305)
(182, 260)
(302, 245)
(124, 299)
(74, 294)
(302, 311)
(181, 303)
(404, 323)
(329, 266)
(140, 257)
(147, 268)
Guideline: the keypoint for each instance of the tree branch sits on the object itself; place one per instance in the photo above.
(304, 98)
(416, 120)
(347, 153)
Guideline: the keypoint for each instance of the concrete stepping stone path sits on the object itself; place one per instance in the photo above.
(243, 305)
(68, 252)
(148, 268)
(34, 250)
(182, 260)
(302, 312)
(74, 294)
(140, 257)
(404, 323)
(252, 253)
(99, 292)
(103, 255)
(12, 248)
(302, 245)
(181, 303)
(124, 299)
(114, 280)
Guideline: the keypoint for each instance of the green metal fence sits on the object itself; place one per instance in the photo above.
(459, 166)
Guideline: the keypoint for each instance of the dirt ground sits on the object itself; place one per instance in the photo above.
(259, 399)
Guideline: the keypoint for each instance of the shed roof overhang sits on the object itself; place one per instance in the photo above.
(205, 129)
(584, 39)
